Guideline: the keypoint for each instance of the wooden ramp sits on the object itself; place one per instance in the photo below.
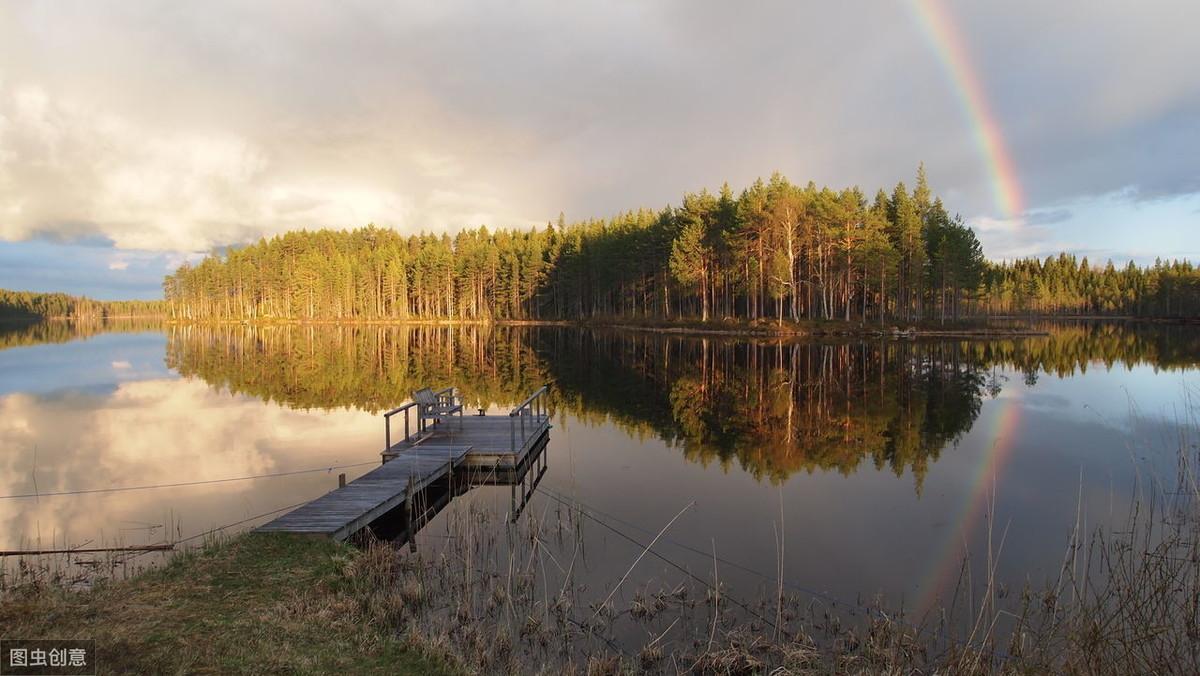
(343, 512)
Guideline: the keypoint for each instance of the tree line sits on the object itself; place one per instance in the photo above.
(1070, 286)
(32, 305)
(776, 251)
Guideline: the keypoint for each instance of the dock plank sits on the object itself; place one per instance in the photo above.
(342, 512)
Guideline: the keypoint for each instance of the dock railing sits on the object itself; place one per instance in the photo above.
(444, 396)
(533, 407)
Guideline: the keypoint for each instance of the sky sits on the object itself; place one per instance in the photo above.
(135, 136)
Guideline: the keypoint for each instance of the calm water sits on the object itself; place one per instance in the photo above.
(878, 463)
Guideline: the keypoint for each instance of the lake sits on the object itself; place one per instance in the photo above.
(860, 468)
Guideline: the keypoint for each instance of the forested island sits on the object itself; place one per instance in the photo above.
(776, 251)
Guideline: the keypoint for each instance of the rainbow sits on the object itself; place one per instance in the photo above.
(948, 556)
(938, 26)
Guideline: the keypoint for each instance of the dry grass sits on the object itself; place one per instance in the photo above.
(254, 604)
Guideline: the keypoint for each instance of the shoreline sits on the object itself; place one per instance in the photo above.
(971, 328)
(807, 328)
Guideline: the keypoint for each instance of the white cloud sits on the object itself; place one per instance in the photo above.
(1009, 238)
(986, 224)
(118, 265)
(172, 261)
(71, 170)
(79, 170)
(437, 165)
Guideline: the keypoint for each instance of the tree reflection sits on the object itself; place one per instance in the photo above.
(21, 333)
(357, 366)
(771, 408)
(778, 408)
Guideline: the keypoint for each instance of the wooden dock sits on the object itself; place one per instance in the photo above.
(488, 449)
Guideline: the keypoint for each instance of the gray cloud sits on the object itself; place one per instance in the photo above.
(188, 125)
(1047, 216)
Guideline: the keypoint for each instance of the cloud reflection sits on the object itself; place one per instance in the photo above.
(156, 432)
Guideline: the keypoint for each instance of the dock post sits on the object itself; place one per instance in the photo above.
(342, 480)
(408, 515)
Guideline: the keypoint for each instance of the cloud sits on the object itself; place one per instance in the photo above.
(174, 190)
(118, 265)
(437, 165)
(199, 125)
(1047, 216)
(76, 171)
(1007, 239)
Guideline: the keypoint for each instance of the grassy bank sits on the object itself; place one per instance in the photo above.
(253, 604)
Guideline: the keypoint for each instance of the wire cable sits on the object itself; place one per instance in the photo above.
(709, 555)
(118, 489)
(568, 503)
(585, 509)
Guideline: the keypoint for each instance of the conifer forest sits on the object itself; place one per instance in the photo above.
(776, 251)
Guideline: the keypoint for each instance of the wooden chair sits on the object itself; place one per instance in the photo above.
(432, 407)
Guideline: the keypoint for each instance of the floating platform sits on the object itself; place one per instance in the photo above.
(483, 449)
